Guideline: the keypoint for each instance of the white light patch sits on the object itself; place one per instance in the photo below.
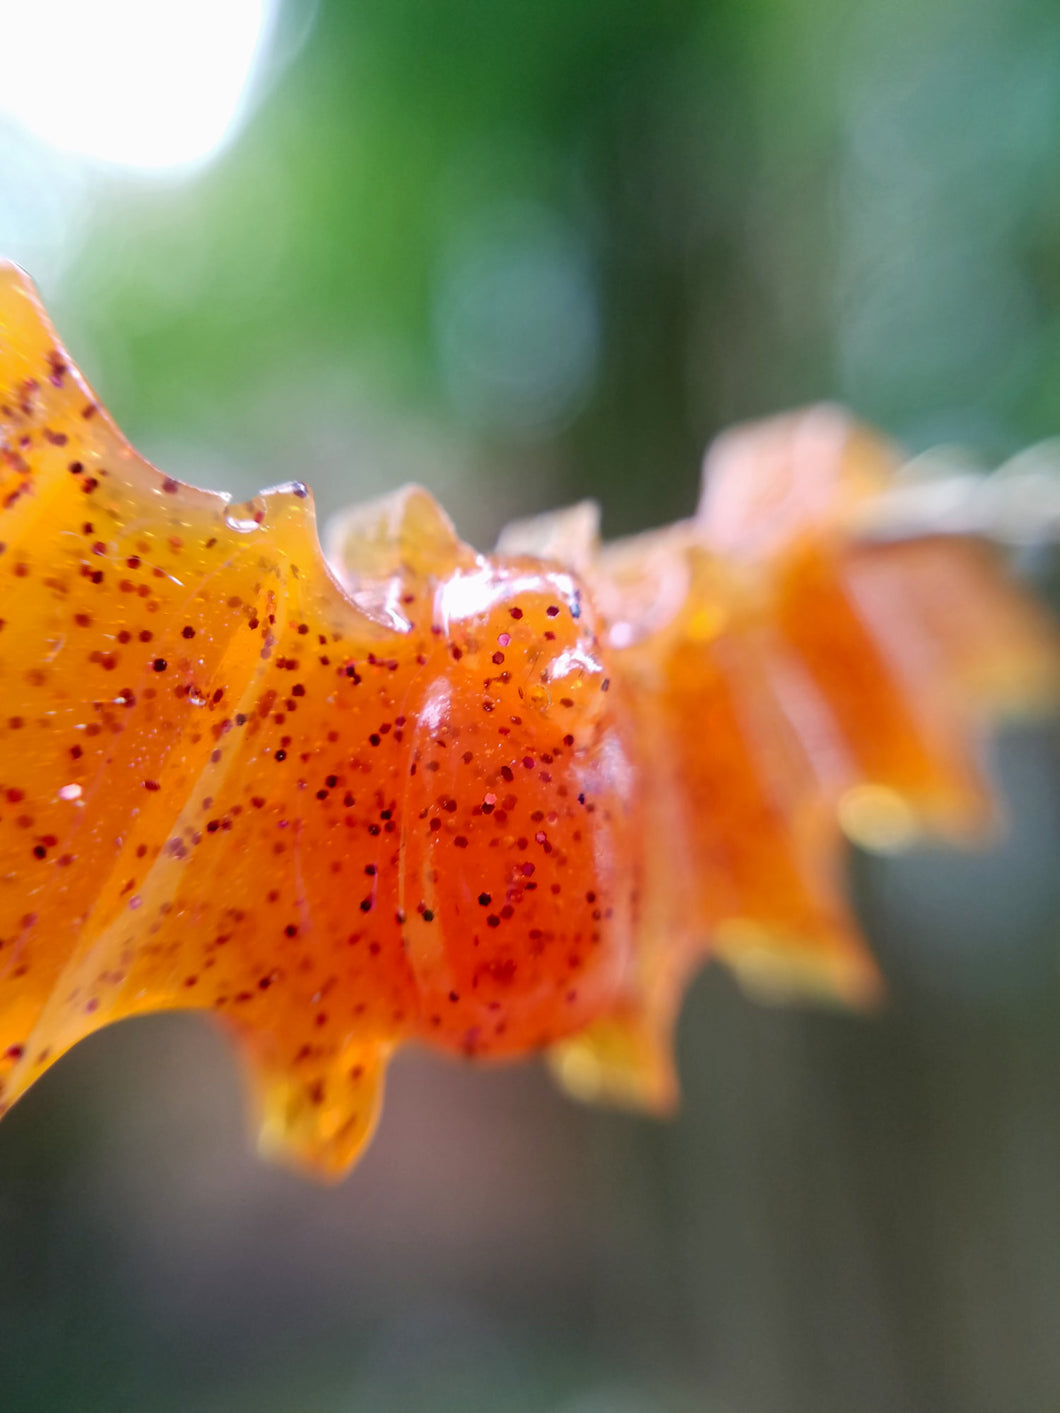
(150, 84)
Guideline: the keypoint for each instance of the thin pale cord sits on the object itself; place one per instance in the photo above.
(939, 493)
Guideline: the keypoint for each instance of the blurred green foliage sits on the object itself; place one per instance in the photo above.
(771, 203)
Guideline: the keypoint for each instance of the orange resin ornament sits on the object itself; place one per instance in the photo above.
(498, 804)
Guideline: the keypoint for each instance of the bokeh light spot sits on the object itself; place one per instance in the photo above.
(517, 323)
(154, 86)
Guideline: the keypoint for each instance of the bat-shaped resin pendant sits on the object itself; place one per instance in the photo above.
(495, 803)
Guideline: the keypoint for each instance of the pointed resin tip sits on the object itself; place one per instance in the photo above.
(831, 967)
(26, 337)
(316, 1116)
(623, 1059)
(570, 536)
(403, 534)
(766, 483)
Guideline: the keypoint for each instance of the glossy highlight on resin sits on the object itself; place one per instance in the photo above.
(498, 804)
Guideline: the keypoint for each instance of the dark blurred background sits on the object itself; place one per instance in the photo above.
(523, 253)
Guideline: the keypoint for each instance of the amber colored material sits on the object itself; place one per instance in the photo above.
(790, 682)
(494, 803)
